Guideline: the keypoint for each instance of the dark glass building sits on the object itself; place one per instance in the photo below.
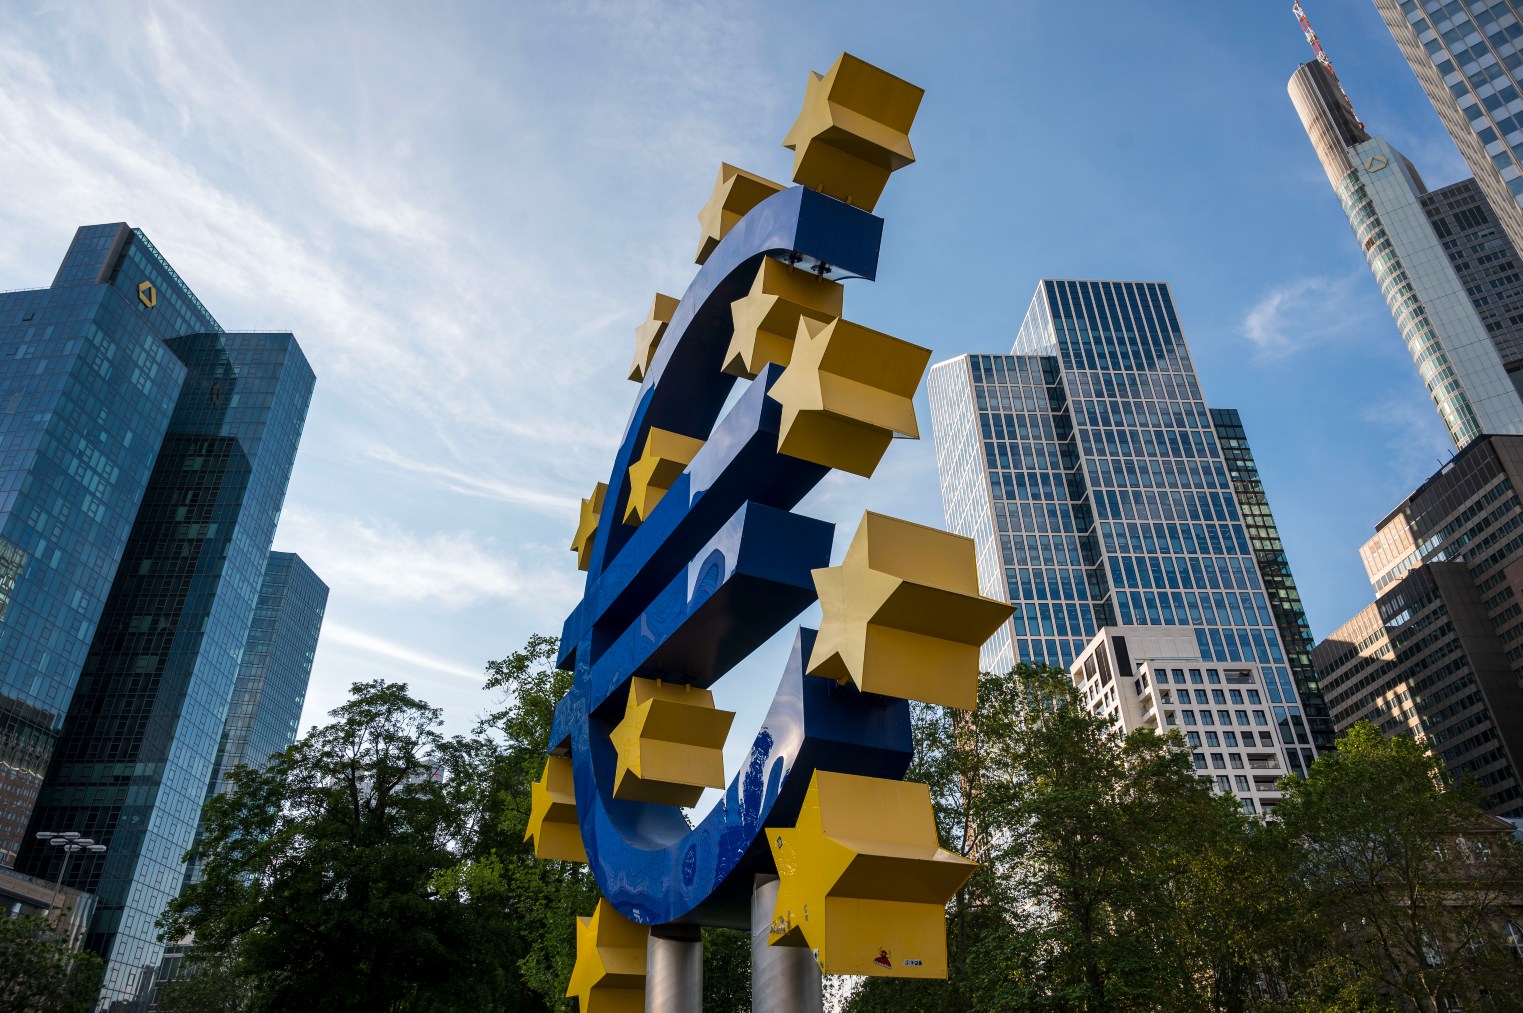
(140, 733)
(1274, 568)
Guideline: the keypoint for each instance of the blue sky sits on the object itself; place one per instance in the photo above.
(463, 211)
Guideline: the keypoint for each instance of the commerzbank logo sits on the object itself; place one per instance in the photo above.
(147, 294)
(1375, 163)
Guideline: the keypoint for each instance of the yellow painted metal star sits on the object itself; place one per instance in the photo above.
(649, 334)
(552, 814)
(902, 615)
(735, 193)
(587, 525)
(670, 744)
(665, 455)
(767, 319)
(847, 391)
(853, 131)
(609, 975)
(862, 881)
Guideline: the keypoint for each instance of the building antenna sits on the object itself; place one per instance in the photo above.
(1316, 47)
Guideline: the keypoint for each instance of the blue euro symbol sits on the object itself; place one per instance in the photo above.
(719, 567)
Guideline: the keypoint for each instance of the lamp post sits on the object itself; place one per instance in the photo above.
(70, 842)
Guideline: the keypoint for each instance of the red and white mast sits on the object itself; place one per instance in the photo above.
(1316, 47)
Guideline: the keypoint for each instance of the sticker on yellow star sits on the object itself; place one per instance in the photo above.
(862, 881)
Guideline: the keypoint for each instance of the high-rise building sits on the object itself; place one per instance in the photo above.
(1090, 475)
(1154, 677)
(1274, 569)
(1445, 261)
(1439, 653)
(87, 387)
(144, 706)
(1468, 57)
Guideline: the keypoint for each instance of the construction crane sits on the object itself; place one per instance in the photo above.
(1316, 47)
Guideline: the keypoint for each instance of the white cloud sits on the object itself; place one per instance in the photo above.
(1307, 313)
(379, 561)
(347, 636)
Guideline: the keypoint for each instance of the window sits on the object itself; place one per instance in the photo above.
(1223, 783)
(1218, 761)
(1212, 740)
(1200, 761)
(1260, 719)
(1217, 696)
(1200, 696)
(1225, 718)
(1236, 695)
(1241, 781)
(1206, 718)
(1195, 675)
(1193, 738)
(1189, 717)
(1231, 737)
(1242, 717)
(1253, 696)
(1514, 934)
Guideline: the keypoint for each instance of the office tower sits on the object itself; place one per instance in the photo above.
(1445, 262)
(1154, 677)
(1468, 57)
(272, 682)
(87, 387)
(1274, 569)
(1088, 472)
(140, 731)
(1439, 652)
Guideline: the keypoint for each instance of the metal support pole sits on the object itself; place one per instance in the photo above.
(784, 979)
(674, 970)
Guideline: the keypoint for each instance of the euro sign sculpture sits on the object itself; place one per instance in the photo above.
(695, 558)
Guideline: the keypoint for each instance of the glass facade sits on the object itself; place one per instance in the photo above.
(1087, 470)
(1445, 290)
(1274, 569)
(87, 388)
(186, 449)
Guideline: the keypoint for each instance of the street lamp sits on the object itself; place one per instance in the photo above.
(70, 842)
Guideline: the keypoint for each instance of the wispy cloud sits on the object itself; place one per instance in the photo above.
(369, 643)
(1416, 443)
(1307, 313)
(379, 561)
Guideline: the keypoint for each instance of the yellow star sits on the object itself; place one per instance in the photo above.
(847, 390)
(902, 615)
(609, 975)
(552, 814)
(853, 131)
(666, 454)
(735, 192)
(587, 526)
(649, 334)
(670, 744)
(767, 319)
(862, 881)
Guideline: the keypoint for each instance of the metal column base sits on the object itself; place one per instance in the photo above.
(784, 979)
(674, 970)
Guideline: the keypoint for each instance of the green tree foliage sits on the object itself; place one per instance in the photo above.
(1410, 886)
(38, 972)
(1113, 879)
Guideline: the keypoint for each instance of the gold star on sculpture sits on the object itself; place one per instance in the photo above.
(649, 334)
(735, 193)
(666, 454)
(853, 131)
(609, 975)
(767, 319)
(847, 391)
(587, 526)
(902, 615)
(552, 814)
(862, 881)
(670, 744)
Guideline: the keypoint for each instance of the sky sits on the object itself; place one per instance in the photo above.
(463, 211)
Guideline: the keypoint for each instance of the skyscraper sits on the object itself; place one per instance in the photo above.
(1447, 266)
(1439, 653)
(1468, 57)
(1089, 473)
(143, 715)
(87, 387)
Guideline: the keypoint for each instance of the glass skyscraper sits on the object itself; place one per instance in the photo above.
(1468, 57)
(1445, 262)
(1089, 473)
(143, 704)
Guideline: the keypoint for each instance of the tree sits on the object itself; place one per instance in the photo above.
(40, 974)
(319, 871)
(1407, 880)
